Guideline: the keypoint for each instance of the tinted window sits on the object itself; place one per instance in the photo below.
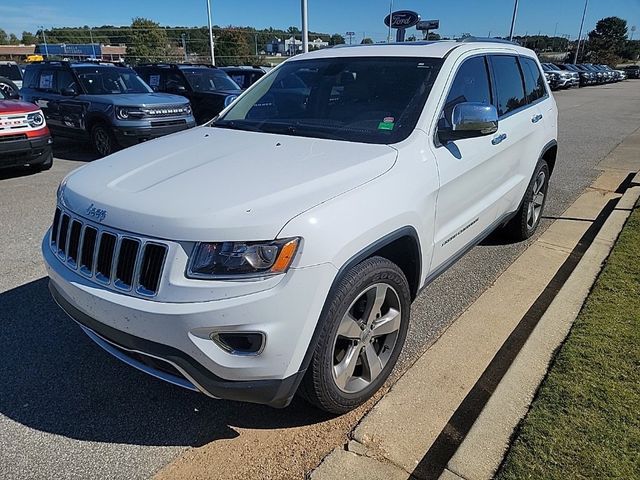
(471, 84)
(533, 80)
(65, 79)
(357, 99)
(110, 80)
(509, 85)
(10, 71)
(209, 80)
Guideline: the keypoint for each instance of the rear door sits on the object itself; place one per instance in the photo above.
(71, 109)
(44, 95)
(517, 143)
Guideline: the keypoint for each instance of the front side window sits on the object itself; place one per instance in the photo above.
(65, 80)
(209, 80)
(356, 99)
(534, 83)
(509, 84)
(110, 80)
(471, 84)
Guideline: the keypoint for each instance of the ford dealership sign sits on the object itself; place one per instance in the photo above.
(402, 19)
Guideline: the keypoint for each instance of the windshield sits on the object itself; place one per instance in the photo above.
(110, 80)
(10, 71)
(368, 99)
(209, 80)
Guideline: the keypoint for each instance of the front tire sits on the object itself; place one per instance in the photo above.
(362, 334)
(103, 140)
(527, 219)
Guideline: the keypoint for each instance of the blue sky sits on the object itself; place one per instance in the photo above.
(478, 17)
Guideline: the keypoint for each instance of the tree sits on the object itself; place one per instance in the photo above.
(366, 41)
(336, 39)
(232, 48)
(28, 38)
(147, 41)
(3, 37)
(608, 41)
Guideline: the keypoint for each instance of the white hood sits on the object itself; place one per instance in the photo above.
(211, 184)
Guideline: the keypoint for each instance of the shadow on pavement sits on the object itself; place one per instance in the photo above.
(54, 379)
(76, 151)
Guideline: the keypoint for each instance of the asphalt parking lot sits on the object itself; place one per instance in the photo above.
(68, 410)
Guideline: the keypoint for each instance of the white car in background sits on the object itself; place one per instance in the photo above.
(278, 249)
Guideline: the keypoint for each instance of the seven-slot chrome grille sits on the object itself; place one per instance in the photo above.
(111, 258)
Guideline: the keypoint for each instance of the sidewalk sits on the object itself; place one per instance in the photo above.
(454, 411)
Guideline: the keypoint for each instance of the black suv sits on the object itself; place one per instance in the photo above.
(108, 104)
(244, 76)
(633, 71)
(208, 88)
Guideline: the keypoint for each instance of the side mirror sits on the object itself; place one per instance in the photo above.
(69, 92)
(470, 120)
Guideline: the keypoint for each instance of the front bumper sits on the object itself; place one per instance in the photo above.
(151, 335)
(32, 151)
(127, 136)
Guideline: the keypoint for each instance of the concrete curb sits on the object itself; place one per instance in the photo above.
(481, 453)
(403, 426)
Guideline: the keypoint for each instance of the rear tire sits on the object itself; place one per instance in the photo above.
(103, 140)
(527, 219)
(362, 334)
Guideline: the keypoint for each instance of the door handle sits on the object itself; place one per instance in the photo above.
(499, 139)
(536, 118)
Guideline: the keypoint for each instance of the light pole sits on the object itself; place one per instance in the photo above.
(305, 27)
(184, 47)
(44, 38)
(584, 13)
(213, 58)
(513, 20)
(93, 45)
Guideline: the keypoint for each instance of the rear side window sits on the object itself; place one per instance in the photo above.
(509, 84)
(533, 81)
(471, 84)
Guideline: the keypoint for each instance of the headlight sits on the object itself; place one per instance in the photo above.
(230, 260)
(229, 100)
(35, 119)
(122, 113)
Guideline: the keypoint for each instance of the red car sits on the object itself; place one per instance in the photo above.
(24, 136)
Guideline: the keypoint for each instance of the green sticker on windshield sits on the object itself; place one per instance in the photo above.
(386, 126)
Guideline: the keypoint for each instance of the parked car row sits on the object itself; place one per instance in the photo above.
(569, 75)
(114, 106)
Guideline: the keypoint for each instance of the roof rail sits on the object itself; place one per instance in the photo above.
(485, 40)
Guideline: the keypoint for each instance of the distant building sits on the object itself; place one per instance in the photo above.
(111, 53)
(292, 46)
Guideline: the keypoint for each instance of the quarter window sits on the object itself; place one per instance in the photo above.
(533, 80)
(470, 85)
(509, 84)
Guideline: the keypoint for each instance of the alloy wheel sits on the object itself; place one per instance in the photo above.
(534, 209)
(366, 337)
(102, 142)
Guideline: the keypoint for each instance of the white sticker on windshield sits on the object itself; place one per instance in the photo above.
(46, 81)
(154, 80)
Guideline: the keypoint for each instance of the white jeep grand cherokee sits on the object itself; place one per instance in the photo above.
(277, 249)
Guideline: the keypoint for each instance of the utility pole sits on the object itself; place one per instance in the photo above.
(305, 27)
(184, 47)
(211, 46)
(390, 21)
(513, 20)
(256, 39)
(584, 13)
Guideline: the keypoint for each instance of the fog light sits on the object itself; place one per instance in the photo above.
(240, 343)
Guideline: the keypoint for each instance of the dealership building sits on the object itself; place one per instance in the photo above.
(67, 51)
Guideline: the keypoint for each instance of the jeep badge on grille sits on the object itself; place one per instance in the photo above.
(97, 213)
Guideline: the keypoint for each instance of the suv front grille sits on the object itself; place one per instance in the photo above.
(111, 258)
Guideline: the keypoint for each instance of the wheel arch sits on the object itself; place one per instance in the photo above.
(95, 118)
(549, 154)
